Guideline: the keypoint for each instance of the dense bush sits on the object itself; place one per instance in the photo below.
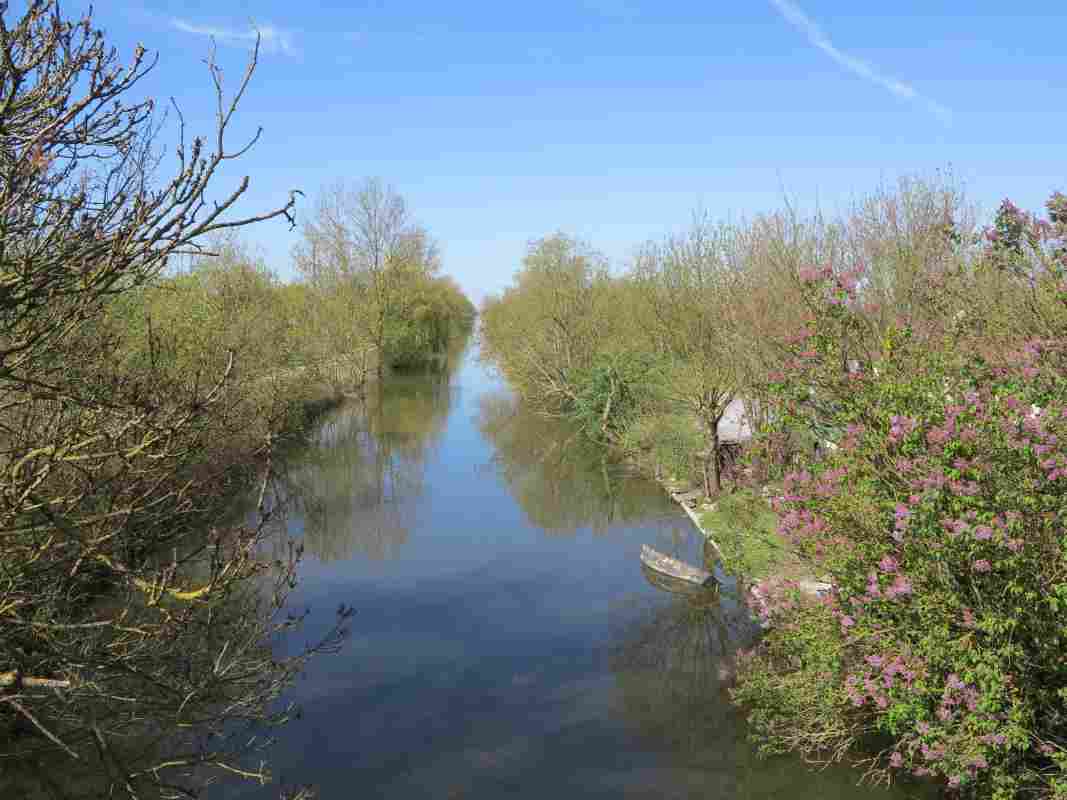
(940, 520)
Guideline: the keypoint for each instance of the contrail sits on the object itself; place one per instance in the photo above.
(272, 39)
(802, 22)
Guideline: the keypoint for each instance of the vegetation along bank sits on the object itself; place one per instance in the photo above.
(902, 369)
(149, 365)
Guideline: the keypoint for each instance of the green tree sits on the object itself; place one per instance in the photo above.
(550, 325)
(685, 284)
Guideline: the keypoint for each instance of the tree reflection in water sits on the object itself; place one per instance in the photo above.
(674, 661)
(367, 462)
(561, 480)
(203, 709)
(672, 665)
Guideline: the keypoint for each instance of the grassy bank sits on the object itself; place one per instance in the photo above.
(745, 528)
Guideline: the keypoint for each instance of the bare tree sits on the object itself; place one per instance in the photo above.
(132, 622)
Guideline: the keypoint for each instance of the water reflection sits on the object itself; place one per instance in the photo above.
(366, 465)
(562, 481)
(672, 664)
(493, 661)
(189, 693)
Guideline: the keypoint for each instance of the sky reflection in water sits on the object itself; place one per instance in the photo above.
(506, 641)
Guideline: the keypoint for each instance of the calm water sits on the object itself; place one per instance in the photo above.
(506, 642)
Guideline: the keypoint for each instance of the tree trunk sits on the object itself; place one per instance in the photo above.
(716, 472)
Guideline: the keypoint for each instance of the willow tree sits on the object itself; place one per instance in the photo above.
(362, 245)
(128, 612)
(550, 325)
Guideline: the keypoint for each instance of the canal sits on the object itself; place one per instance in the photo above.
(506, 642)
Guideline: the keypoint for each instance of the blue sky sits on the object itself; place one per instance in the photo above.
(614, 119)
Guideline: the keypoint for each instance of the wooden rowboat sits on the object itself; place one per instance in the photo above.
(678, 570)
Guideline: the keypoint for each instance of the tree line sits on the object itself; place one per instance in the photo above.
(150, 366)
(902, 370)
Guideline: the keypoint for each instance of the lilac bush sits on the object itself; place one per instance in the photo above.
(940, 519)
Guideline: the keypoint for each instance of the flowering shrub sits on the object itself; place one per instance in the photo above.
(941, 521)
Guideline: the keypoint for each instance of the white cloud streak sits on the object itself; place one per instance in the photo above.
(814, 34)
(272, 39)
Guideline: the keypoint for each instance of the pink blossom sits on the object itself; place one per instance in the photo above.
(872, 586)
(982, 565)
(901, 586)
(939, 435)
(900, 427)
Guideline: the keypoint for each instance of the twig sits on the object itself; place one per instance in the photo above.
(111, 763)
(51, 736)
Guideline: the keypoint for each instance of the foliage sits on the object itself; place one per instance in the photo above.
(664, 444)
(684, 284)
(746, 530)
(135, 622)
(940, 520)
(611, 392)
(372, 274)
(545, 332)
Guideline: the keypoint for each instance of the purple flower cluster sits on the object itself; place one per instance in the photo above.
(901, 515)
(913, 519)
(956, 696)
(900, 427)
(885, 673)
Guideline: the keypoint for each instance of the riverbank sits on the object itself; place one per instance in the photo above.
(490, 555)
(742, 530)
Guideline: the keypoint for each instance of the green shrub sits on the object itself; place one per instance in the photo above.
(941, 519)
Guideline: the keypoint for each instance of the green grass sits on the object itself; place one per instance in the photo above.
(745, 529)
